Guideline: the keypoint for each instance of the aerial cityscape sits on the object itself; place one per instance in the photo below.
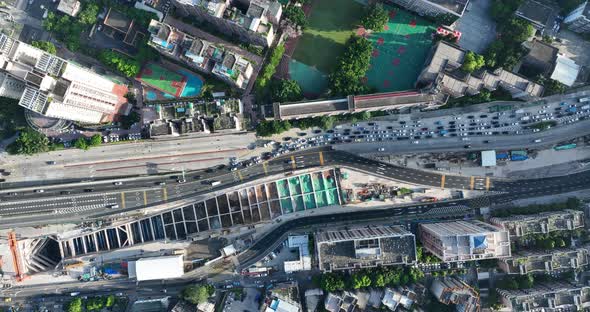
(294, 155)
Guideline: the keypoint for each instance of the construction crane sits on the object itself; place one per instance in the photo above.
(20, 276)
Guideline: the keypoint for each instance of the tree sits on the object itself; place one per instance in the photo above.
(552, 87)
(378, 280)
(284, 90)
(122, 63)
(270, 68)
(332, 282)
(517, 30)
(110, 301)
(29, 142)
(95, 140)
(296, 15)
(472, 62)
(268, 128)
(375, 17)
(351, 67)
(360, 280)
(196, 294)
(88, 14)
(81, 143)
(95, 303)
(326, 122)
(75, 305)
(45, 46)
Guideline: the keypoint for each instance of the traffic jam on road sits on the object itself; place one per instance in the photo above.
(512, 122)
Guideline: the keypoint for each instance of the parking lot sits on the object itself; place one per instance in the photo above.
(249, 302)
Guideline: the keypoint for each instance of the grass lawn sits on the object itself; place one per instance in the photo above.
(331, 23)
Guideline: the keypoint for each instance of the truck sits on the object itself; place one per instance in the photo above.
(214, 183)
(584, 99)
(74, 294)
(585, 107)
(571, 109)
(525, 118)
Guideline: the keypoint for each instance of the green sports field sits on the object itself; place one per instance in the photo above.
(162, 79)
(399, 51)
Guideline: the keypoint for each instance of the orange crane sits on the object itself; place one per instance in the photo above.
(15, 258)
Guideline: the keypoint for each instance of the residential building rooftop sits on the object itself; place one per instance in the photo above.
(537, 13)
(465, 240)
(455, 291)
(545, 261)
(69, 7)
(541, 223)
(553, 296)
(361, 247)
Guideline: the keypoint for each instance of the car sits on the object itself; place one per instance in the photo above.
(381, 149)
(466, 146)
(88, 190)
(118, 183)
(537, 141)
(486, 141)
(39, 191)
(65, 192)
(51, 162)
(416, 142)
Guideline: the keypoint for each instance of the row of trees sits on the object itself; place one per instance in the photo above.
(571, 203)
(45, 46)
(351, 67)
(268, 128)
(269, 70)
(96, 303)
(120, 62)
(86, 143)
(377, 277)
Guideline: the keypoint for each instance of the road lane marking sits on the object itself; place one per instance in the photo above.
(487, 183)
(123, 200)
(472, 182)
(321, 159)
(293, 164)
(145, 198)
(165, 194)
(442, 181)
(264, 166)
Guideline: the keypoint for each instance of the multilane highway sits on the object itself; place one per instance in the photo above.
(53, 206)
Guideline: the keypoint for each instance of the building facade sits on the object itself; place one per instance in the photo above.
(201, 54)
(252, 21)
(542, 223)
(556, 296)
(465, 240)
(434, 8)
(54, 87)
(455, 291)
(548, 261)
(579, 19)
(364, 247)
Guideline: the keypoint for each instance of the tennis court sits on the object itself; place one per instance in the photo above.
(399, 51)
(162, 79)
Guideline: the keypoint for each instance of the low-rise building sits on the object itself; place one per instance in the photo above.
(541, 223)
(393, 298)
(555, 296)
(69, 7)
(54, 87)
(254, 21)
(540, 15)
(455, 291)
(200, 54)
(465, 240)
(545, 59)
(443, 73)
(120, 27)
(283, 298)
(301, 243)
(364, 247)
(435, 8)
(548, 261)
(578, 20)
(344, 302)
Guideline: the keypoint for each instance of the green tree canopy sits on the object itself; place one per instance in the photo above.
(375, 17)
(332, 282)
(87, 15)
(81, 143)
(351, 67)
(296, 15)
(472, 62)
(196, 294)
(284, 90)
(95, 140)
(360, 280)
(122, 63)
(75, 305)
(110, 301)
(45, 46)
(29, 142)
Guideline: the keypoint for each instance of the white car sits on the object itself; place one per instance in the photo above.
(416, 142)
(381, 149)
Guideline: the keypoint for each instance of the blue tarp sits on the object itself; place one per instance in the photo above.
(502, 156)
(480, 242)
(519, 157)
